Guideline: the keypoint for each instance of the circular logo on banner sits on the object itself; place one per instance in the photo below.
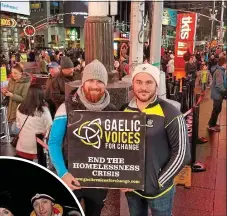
(29, 30)
(90, 133)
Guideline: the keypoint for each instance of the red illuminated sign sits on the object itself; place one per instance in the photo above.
(185, 36)
(124, 35)
(29, 30)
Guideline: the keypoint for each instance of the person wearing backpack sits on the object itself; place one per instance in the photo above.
(218, 93)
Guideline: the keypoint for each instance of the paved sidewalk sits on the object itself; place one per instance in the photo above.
(207, 195)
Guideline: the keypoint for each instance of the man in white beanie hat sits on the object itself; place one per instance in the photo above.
(93, 96)
(167, 145)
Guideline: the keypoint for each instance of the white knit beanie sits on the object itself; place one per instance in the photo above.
(95, 70)
(149, 69)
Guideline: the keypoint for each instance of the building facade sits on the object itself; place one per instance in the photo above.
(48, 24)
(14, 17)
(75, 14)
(59, 24)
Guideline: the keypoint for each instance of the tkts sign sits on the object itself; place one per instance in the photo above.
(185, 36)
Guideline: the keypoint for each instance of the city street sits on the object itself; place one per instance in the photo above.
(123, 101)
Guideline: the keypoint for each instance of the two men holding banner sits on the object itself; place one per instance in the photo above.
(165, 153)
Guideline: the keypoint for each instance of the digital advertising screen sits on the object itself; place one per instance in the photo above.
(76, 13)
(17, 7)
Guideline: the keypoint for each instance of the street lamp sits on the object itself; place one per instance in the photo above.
(222, 22)
(213, 14)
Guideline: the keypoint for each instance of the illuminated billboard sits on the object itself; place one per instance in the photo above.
(75, 13)
(169, 17)
(17, 7)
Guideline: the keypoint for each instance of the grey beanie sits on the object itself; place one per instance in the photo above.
(95, 70)
(66, 62)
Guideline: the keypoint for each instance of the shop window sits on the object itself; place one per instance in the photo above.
(53, 39)
(39, 41)
(54, 7)
(72, 37)
(37, 6)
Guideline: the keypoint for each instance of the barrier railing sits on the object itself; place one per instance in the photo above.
(4, 132)
(190, 104)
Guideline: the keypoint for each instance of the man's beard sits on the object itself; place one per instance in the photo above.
(95, 96)
(142, 99)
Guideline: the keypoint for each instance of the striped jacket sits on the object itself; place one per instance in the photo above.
(167, 148)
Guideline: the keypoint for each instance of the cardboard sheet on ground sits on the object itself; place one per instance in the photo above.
(107, 149)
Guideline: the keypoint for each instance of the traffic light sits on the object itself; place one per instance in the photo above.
(72, 19)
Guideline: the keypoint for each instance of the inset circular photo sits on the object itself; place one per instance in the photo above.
(28, 189)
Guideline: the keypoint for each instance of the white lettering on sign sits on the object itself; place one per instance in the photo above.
(185, 27)
(182, 45)
(180, 53)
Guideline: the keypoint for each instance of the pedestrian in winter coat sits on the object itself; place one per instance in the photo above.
(16, 92)
(43, 65)
(187, 56)
(54, 69)
(198, 60)
(218, 93)
(38, 119)
(212, 62)
(191, 67)
(204, 77)
(170, 66)
(66, 75)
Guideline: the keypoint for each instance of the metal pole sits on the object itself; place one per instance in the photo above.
(222, 23)
(156, 33)
(120, 11)
(136, 34)
(156, 42)
(212, 22)
(29, 42)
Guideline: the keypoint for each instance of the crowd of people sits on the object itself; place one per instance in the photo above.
(208, 69)
(43, 57)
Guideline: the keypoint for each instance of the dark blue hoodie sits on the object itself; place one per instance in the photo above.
(219, 85)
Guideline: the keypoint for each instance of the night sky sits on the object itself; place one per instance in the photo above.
(23, 180)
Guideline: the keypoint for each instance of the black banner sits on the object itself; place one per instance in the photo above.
(107, 149)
